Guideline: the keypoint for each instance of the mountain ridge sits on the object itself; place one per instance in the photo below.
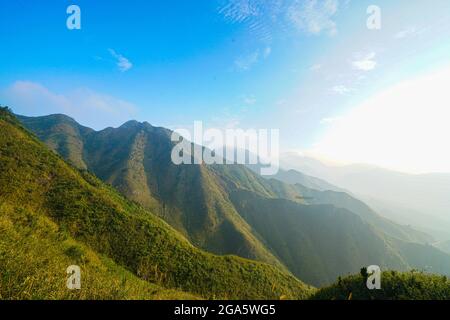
(204, 203)
(35, 179)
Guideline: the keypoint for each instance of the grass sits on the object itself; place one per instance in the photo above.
(34, 255)
(412, 285)
(34, 181)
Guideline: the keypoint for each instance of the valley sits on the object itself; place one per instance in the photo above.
(223, 209)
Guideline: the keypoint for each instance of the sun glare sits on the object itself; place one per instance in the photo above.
(405, 127)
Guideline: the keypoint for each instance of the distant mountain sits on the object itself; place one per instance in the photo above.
(297, 177)
(444, 246)
(422, 201)
(326, 193)
(346, 201)
(52, 216)
(228, 209)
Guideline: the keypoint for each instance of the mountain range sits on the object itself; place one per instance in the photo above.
(53, 215)
(419, 200)
(305, 228)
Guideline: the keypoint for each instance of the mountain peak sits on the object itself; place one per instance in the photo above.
(136, 124)
(131, 124)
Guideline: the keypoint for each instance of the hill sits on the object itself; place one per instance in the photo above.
(228, 209)
(33, 179)
(394, 286)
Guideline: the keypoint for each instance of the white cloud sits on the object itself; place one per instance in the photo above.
(316, 67)
(330, 120)
(314, 16)
(85, 105)
(264, 16)
(404, 127)
(239, 10)
(122, 63)
(341, 89)
(366, 63)
(249, 100)
(246, 62)
(410, 32)
(267, 52)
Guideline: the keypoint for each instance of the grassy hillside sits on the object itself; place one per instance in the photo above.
(317, 242)
(135, 159)
(36, 180)
(394, 286)
(34, 255)
(228, 209)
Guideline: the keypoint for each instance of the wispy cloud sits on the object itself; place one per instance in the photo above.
(247, 61)
(341, 90)
(240, 10)
(122, 63)
(366, 62)
(330, 120)
(314, 16)
(263, 16)
(249, 100)
(316, 67)
(267, 52)
(410, 32)
(91, 108)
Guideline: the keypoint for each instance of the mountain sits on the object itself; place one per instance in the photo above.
(136, 159)
(318, 243)
(344, 200)
(444, 246)
(297, 177)
(316, 191)
(49, 206)
(420, 200)
(394, 286)
(228, 209)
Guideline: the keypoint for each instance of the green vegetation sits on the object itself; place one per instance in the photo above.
(394, 286)
(228, 209)
(135, 159)
(317, 242)
(344, 200)
(34, 255)
(37, 183)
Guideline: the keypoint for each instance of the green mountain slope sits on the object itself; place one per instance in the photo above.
(35, 252)
(318, 243)
(317, 191)
(210, 206)
(394, 286)
(36, 180)
(344, 200)
(135, 159)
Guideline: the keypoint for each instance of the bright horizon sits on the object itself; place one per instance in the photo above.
(404, 128)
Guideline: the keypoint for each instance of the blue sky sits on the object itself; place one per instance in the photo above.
(298, 65)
